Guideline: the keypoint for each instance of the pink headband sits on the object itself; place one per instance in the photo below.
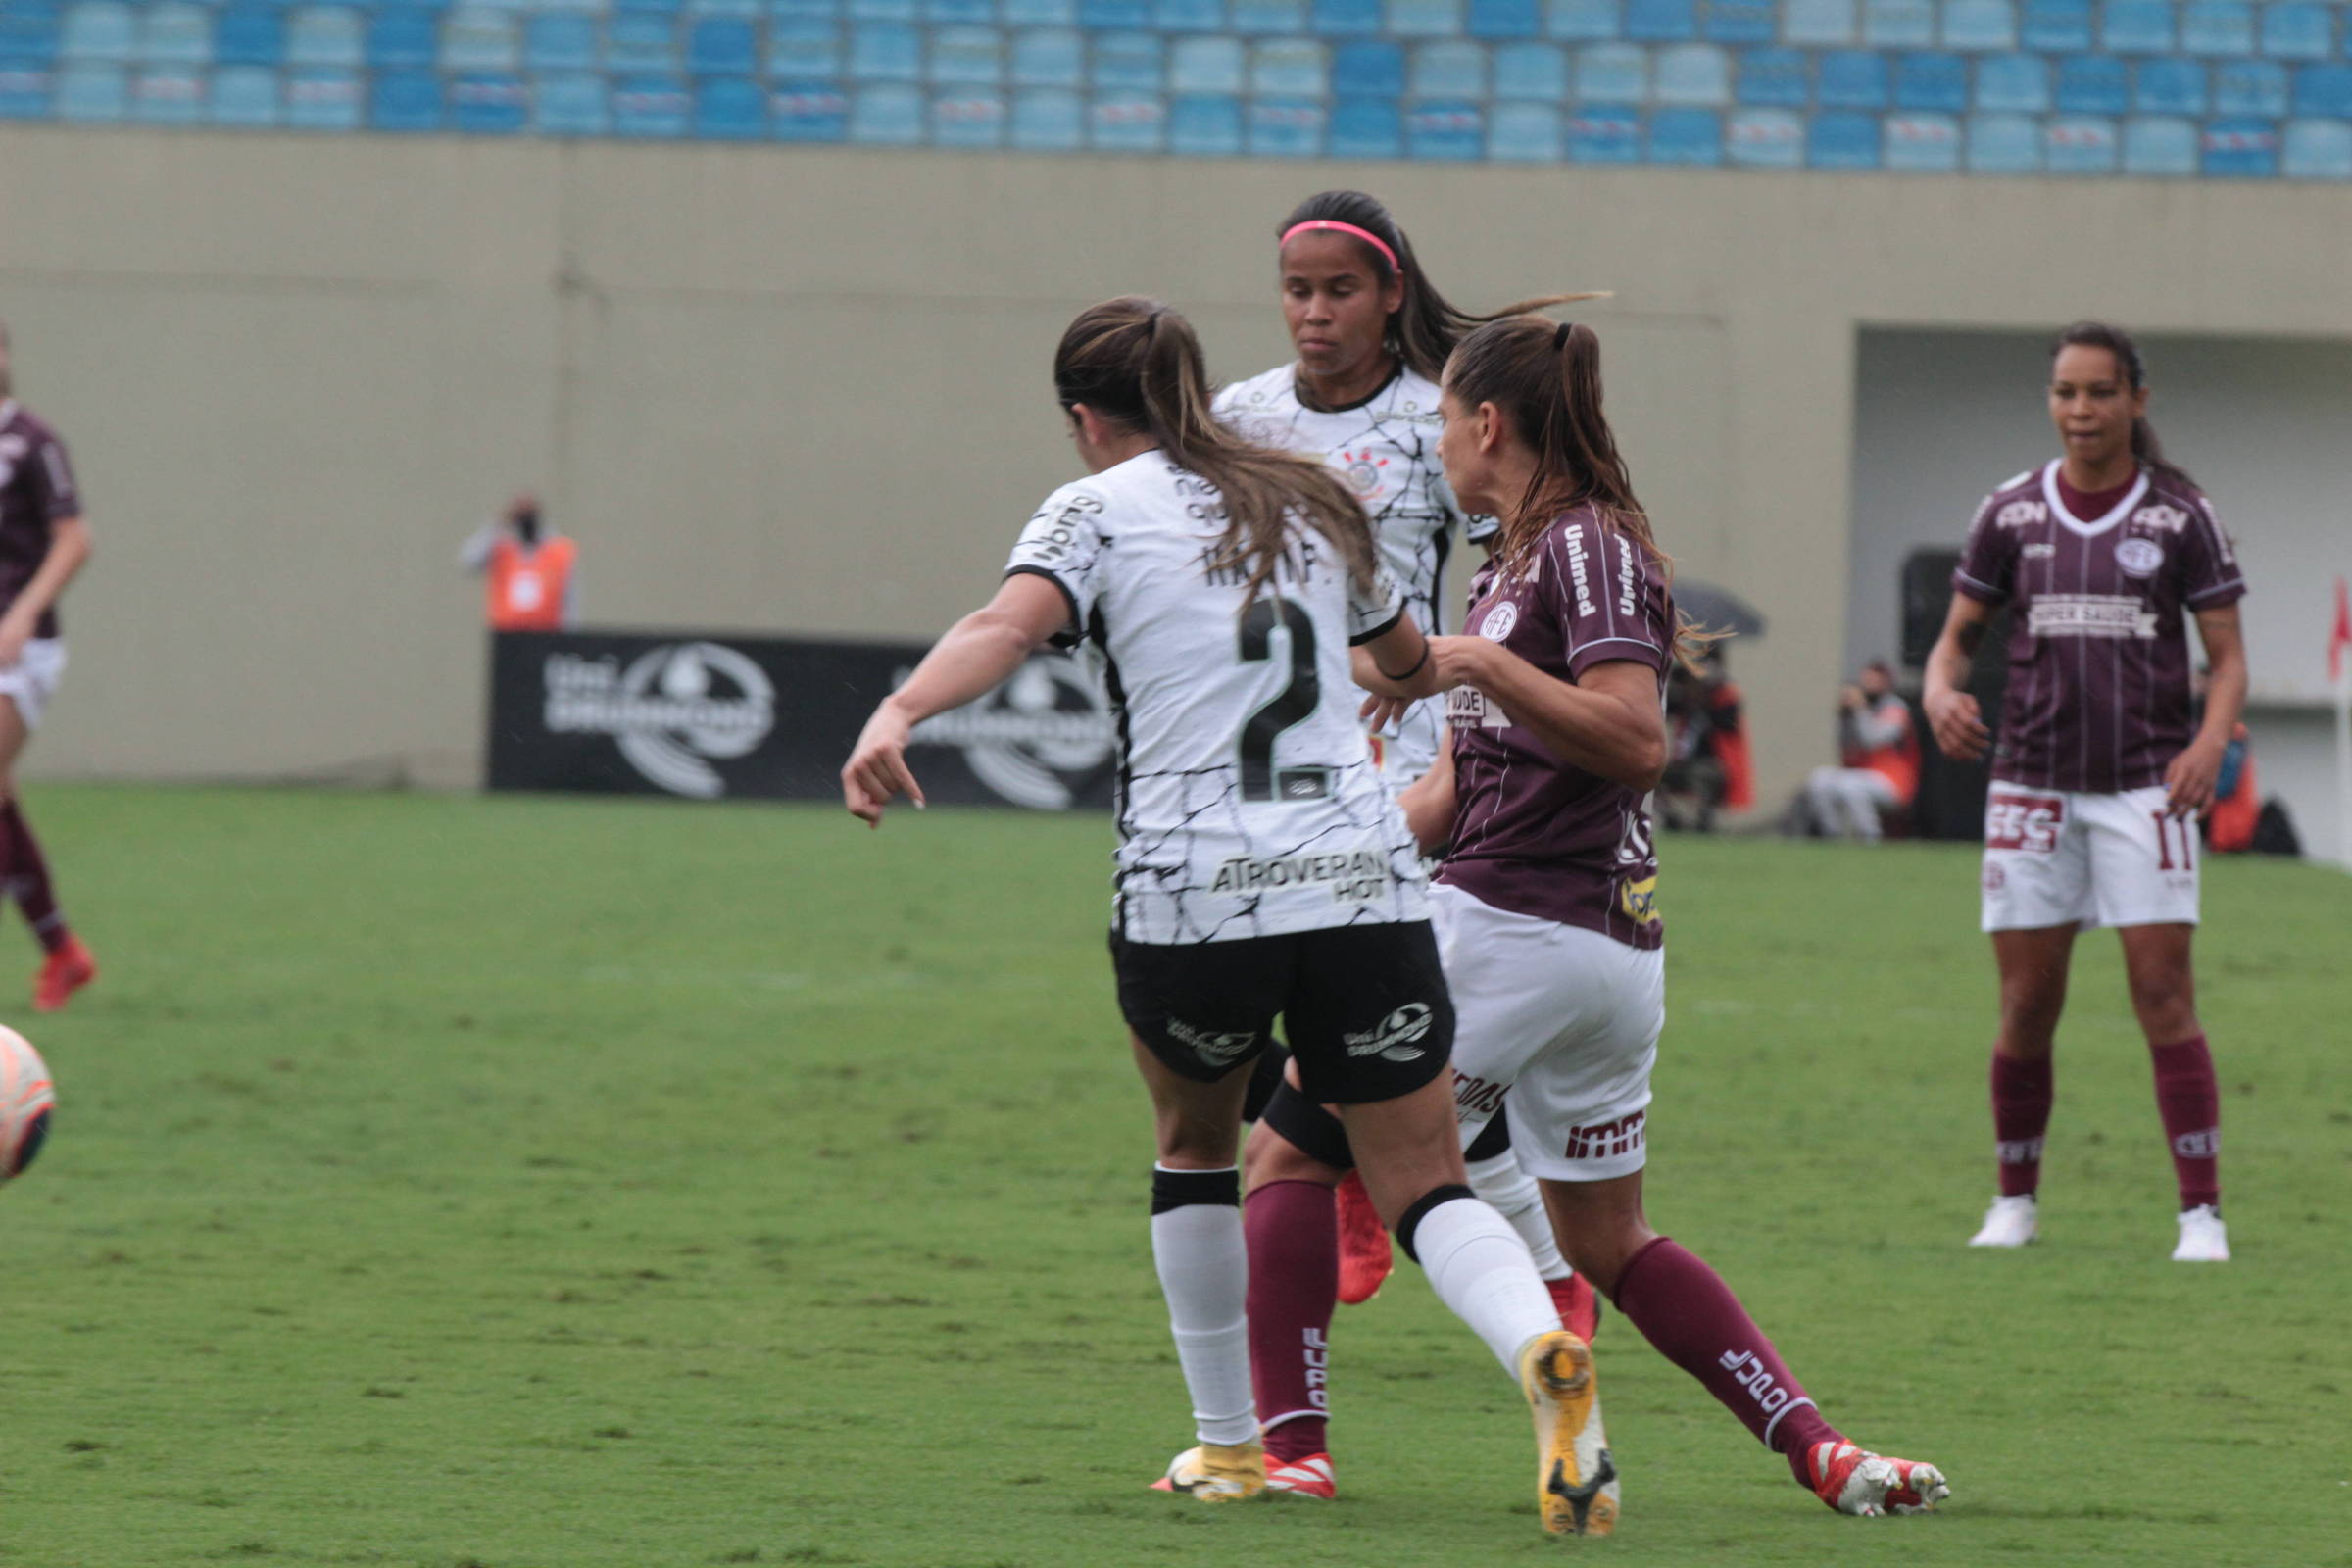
(1337, 228)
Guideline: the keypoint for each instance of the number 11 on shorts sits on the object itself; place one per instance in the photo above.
(2165, 822)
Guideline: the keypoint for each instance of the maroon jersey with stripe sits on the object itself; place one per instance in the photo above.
(2099, 649)
(36, 490)
(1532, 835)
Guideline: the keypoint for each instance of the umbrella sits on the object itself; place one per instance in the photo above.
(1717, 609)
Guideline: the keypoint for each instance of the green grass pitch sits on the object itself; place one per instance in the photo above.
(542, 1184)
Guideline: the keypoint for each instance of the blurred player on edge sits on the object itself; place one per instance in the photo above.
(1263, 868)
(2099, 778)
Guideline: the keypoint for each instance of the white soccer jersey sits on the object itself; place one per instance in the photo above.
(1249, 805)
(1386, 448)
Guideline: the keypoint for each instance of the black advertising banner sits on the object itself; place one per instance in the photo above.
(721, 717)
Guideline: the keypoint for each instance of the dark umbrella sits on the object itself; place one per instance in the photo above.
(1717, 609)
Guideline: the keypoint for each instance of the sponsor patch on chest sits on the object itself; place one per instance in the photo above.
(2090, 615)
(2139, 558)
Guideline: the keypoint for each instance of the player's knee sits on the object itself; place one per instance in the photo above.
(1269, 1157)
(2166, 1005)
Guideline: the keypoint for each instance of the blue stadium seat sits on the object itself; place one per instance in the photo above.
(808, 111)
(1127, 122)
(1289, 67)
(2004, 144)
(488, 103)
(1693, 76)
(954, 13)
(570, 103)
(1818, 24)
(1286, 127)
(27, 87)
(1210, 65)
(2323, 90)
(1052, 120)
(1661, 21)
(1206, 124)
(2317, 149)
(2163, 147)
(99, 32)
(2298, 29)
(1685, 136)
(672, 8)
(2168, 85)
(1603, 136)
(2079, 144)
(1188, 16)
(250, 35)
(1931, 81)
(1770, 138)
(319, 97)
(1366, 128)
(1612, 74)
(968, 57)
(1425, 18)
(1849, 78)
(2217, 28)
(2137, 27)
(966, 117)
(1584, 20)
(246, 97)
(1505, 19)
(403, 100)
(402, 37)
(729, 108)
(2056, 26)
(1899, 23)
(1774, 78)
(2250, 88)
(803, 51)
(647, 41)
(2093, 84)
(1343, 18)
(475, 39)
(1041, 12)
(1920, 144)
(1980, 26)
(750, 10)
(1842, 139)
(1525, 133)
(326, 35)
(1735, 21)
(1368, 70)
(884, 51)
(882, 10)
(1113, 15)
(177, 34)
(1129, 62)
(1050, 57)
(166, 95)
(28, 36)
(1445, 132)
(1256, 16)
(1453, 68)
(92, 92)
(655, 105)
(2241, 149)
(2013, 85)
(726, 46)
(561, 40)
(1537, 72)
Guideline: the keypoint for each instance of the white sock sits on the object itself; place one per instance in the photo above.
(1479, 1268)
(1204, 1273)
(1503, 1185)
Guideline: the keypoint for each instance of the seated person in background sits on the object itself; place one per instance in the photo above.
(530, 569)
(1879, 755)
(1708, 764)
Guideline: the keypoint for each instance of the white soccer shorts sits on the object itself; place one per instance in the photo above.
(2061, 857)
(34, 679)
(1563, 1022)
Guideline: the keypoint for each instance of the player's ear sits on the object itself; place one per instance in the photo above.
(1490, 427)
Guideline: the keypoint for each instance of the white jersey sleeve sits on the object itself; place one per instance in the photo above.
(1374, 606)
(1063, 544)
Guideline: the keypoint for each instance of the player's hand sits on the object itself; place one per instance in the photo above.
(1460, 661)
(876, 772)
(14, 635)
(2189, 783)
(1382, 712)
(1958, 725)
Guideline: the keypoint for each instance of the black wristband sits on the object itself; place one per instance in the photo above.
(1410, 673)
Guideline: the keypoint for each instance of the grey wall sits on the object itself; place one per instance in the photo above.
(805, 388)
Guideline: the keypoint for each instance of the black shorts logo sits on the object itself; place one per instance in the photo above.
(1215, 1049)
(1393, 1040)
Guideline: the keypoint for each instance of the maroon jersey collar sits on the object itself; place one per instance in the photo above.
(2097, 525)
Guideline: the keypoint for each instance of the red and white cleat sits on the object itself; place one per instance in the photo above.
(1579, 1307)
(1366, 1257)
(1310, 1477)
(1858, 1481)
(63, 973)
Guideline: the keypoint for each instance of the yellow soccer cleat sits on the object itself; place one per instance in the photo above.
(1217, 1472)
(1575, 1484)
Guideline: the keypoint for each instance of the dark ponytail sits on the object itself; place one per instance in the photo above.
(1137, 364)
(2128, 363)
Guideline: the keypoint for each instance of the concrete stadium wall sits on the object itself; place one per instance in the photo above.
(805, 390)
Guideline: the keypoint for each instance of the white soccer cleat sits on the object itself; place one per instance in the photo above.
(2204, 1238)
(2012, 1222)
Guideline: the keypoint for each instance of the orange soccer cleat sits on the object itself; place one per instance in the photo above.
(1366, 1257)
(64, 972)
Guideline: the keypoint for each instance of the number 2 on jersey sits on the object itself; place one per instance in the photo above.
(1294, 703)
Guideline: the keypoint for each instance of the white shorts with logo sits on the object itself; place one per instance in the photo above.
(1562, 1022)
(33, 678)
(2063, 858)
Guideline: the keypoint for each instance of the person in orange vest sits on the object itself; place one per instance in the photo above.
(1879, 758)
(529, 571)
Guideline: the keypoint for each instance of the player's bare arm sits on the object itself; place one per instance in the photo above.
(977, 652)
(1607, 722)
(2190, 778)
(1428, 802)
(69, 551)
(1953, 715)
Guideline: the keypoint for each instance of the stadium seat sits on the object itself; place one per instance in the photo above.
(1603, 136)
(1286, 127)
(1589, 21)
(2241, 149)
(1505, 19)
(1537, 72)
(166, 95)
(2137, 27)
(1051, 120)
(1206, 124)
(1920, 144)
(246, 97)
(326, 35)
(1899, 23)
(1661, 21)
(1368, 69)
(2169, 85)
(648, 41)
(1212, 65)
(2093, 84)
(1849, 78)
(1289, 67)
(1129, 62)
(2250, 88)
(1444, 131)
(570, 103)
(1931, 81)
(1189, 15)
(1345, 18)
(1525, 134)
(1693, 76)
(1612, 74)
(2324, 90)
(404, 101)
(968, 55)
(959, 12)
(882, 10)
(1842, 139)
(1454, 68)
(2217, 28)
(1770, 138)
(28, 89)
(2079, 144)
(178, 33)
(1366, 128)
(2317, 149)
(1256, 16)
(672, 8)
(1819, 23)
(1113, 15)
(2299, 30)
(1774, 78)
(731, 107)
(488, 103)
(88, 91)
(726, 46)
(1740, 21)
(1127, 122)
(1685, 136)
(1041, 12)
(320, 97)
(99, 32)
(1049, 57)
(475, 39)
(808, 111)
(2056, 26)
(655, 105)
(561, 40)
(1980, 26)
(884, 51)
(250, 35)
(2004, 144)
(2013, 85)
(27, 37)
(1425, 18)
(965, 116)
(2162, 147)
(401, 38)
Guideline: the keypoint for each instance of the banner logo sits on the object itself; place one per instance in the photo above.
(1033, 738)
(672, 711)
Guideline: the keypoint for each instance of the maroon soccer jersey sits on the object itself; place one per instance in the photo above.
(1532, 835)
(2098, 648)
(36, 490)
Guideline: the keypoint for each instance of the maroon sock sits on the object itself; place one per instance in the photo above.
(1684, 1309)
(2021, 1115)
(27, 877)
(1293, 1233)
(2191, 1105)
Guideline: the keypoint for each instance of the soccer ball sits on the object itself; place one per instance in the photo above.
(27, 1097)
